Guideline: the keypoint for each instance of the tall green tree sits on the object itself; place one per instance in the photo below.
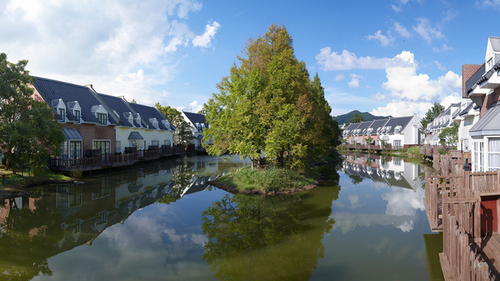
(449, 136)
(269, 104)
(183, 133)
(28, 133)
(356, 118)
(430, 115)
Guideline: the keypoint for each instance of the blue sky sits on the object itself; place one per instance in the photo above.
(394, 57)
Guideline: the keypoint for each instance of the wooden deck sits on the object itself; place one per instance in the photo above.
(465, 206)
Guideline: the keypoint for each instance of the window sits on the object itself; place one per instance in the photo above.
(155, 143)
(104, 147)
(166, 142)
(75, 149)
(62, 114)
(397, 143)
(475, 158)
(103, 119)
(468, 121)
(481, 156)
(118, 146)
(494, 153)
(77, 116)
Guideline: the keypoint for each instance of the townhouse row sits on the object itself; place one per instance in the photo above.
(477, 114)
(399, 132)
(103, 130)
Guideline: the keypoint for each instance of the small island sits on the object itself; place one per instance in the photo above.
(270, 110)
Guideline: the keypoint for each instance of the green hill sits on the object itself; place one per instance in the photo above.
(344, 118)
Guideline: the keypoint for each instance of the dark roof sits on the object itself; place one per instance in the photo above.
(488, 124)
(148, 112)
(397, 121)
(376, 124)
(120, 106)
(471, 83)
(72, 134)
(350, 128)
(363, 125)
(52, 90)
(195, 117)
(467, 109)
(135, 136)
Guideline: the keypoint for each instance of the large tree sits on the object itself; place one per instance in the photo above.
(28, 133)
(430, 115)
(356, 118)
(268, 104)
(183, 133)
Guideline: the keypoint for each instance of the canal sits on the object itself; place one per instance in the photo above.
(162, 221)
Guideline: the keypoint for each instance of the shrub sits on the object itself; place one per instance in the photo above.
(414, 150)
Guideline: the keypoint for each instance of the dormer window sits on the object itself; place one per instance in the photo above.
(397, 130)
(62, 115)
(490, 64)
(103, 118)
(77, 116)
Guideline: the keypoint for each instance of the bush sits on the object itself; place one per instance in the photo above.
(414, 150)
(270, 178)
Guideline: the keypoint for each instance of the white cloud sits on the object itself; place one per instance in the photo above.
(398, 7)
(385, 40)
(444, 48)
(339, 77)
(426, 31)
(439, 65)
(489, 3)
(448, 100)
(378, 97)
(120, 39)
(405, 84)
(204, 41)
(401, 30)
(347, 60)
(354, 83)
(195, 107)
(402, 108)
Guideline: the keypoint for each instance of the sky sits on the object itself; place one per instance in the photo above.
(394, 57)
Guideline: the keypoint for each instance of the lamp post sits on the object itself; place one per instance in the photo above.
(466, 155)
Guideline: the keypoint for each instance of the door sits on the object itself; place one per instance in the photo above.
(488, 215)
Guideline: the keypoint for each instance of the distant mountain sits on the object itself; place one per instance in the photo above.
(344, 118)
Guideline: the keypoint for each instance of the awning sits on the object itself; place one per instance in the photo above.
(385, 138)
(488, 125)
(72, 134)
(135, 136)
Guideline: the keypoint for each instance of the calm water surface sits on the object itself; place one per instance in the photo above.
(161, 221)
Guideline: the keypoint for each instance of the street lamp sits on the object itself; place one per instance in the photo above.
(466, 155)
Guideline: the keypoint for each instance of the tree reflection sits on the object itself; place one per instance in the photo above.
(253, 238)
(182, 176)
(28, 238)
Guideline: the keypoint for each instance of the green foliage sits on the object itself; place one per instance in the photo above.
(270, 179)
(76, 174)
(414, 150)
(431, 114)
(449, 136)
(268, 104)
(183, 133)
(356, 118)
(28, 134)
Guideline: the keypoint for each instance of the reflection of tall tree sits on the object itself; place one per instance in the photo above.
(28, 238)
(182, 176)
(253, 238)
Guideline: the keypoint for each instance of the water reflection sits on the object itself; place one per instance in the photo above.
(404, 195)
(66, 216)
(253, 238)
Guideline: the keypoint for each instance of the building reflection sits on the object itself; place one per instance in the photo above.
(70, 215)
(392, 171)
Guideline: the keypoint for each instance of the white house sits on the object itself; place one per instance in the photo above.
(401, 131)
(197, 123)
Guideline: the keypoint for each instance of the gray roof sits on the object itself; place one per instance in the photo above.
(495, 43)
(52, 90)
(121, 107)
(376, 124)
(72, 134)
(148, 112)
(135, 136)
(197, 118)
(363, 125)
(397, 121)
(471, 83)
(467, 109)
(489, 124)
(349, 128)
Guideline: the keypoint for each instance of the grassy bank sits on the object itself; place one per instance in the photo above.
(11, 184)
(273, 180)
